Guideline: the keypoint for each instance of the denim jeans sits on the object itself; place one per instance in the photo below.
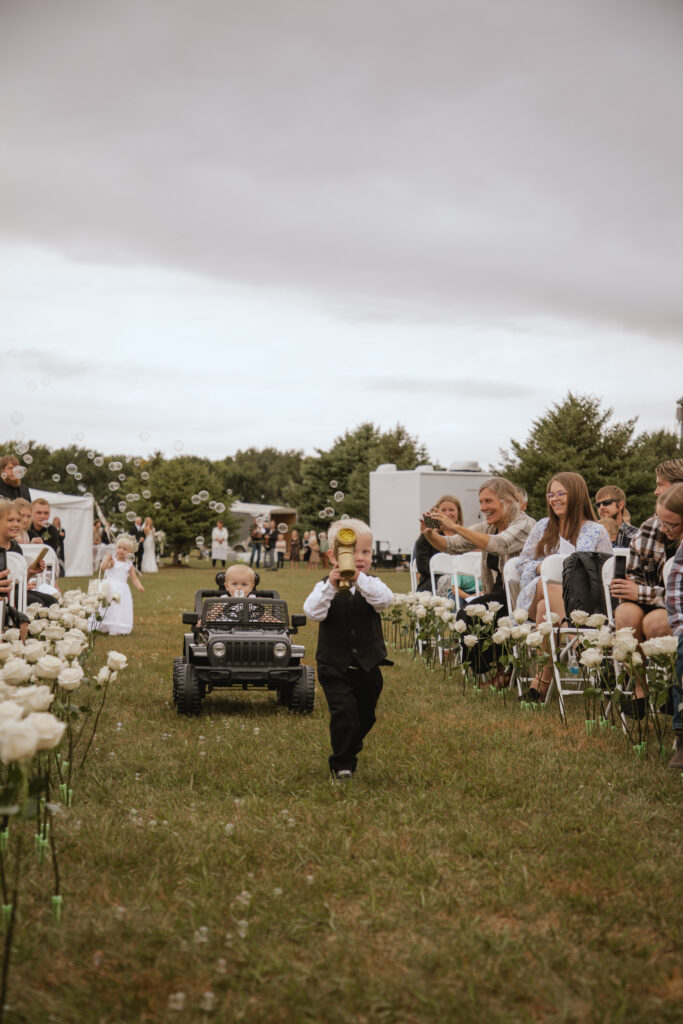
(255, 555)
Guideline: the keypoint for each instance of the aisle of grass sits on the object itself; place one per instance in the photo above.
(484, 866)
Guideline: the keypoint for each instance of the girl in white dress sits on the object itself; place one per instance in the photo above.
(118, 617)
(149, 555)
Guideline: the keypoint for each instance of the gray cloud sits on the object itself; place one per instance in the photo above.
(463, 387)
(438, 161)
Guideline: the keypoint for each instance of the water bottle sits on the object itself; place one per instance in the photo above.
(572, 663)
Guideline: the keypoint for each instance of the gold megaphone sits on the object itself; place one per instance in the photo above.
(345, 553)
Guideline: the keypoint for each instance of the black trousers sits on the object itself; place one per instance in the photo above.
(352, 697)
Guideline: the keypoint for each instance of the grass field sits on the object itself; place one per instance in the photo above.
(485, 865)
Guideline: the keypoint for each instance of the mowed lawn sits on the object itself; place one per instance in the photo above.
(486, 864)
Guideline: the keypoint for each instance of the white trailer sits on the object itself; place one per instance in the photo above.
(398, 497)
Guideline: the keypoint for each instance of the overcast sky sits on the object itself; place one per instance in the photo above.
(226, 224)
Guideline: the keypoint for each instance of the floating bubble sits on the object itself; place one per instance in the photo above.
(130, 497)
(195, 499)
(146, 494)
(345, 516)
(98, 460)
(136, 497)
(144, 435)
(72, 468)
(282, 527)
(338, 495)
(178, 445)
(321, 515)
(229, 490)
(130, 515)
(88, 494)
(56, 478)
(203, 495)
(17, 417)
(31, 385)
(144, 475)
(212, 504)
(114, 485)
(28, 459)
(333, 484)
(21, 448)
(199, 541)
(91, 455)
(113, 466)
(157, 505)
(78, 476)
(137, 462)
(220, 507)
(19, 471)
(122, 506)
(329, 511)
(122, 477)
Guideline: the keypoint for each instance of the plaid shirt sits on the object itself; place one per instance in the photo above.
(625, 535)
(674, 595)
(649, 551)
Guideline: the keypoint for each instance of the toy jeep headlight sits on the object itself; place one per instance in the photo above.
(280, 650)
(218, 650)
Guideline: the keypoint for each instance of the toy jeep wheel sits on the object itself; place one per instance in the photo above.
(189, 700)
(302, 696)
(177, 669)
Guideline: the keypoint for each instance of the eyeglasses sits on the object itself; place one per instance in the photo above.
(556, 495)
(671, 526)
(607, 501)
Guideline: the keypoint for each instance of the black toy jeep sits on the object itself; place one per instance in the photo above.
(242, 643)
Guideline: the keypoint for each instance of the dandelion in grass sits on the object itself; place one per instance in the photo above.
(277, 892)
(242, 928)
(244, 898)
(221, 965)
(229, 829)
(201, 935)
(176, 1001)
(208, 1001)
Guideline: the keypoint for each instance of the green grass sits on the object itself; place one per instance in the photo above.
(486, 865)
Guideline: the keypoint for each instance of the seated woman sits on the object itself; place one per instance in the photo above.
(500, 537)
(569, 526)
(423, 551)
(10, 529)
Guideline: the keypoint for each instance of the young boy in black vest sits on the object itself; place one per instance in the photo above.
(350, 648)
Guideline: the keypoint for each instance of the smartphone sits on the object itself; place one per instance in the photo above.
(620, 567)
(431, 522)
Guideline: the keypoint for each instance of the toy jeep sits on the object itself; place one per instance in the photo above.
(242, 643)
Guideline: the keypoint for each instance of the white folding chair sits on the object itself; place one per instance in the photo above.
(17, 567)
(512, 581)
(666, 571)
(607, 577)
(568, 683)
(413, 575)
(50, 573)
(441, 564)
(468, 564)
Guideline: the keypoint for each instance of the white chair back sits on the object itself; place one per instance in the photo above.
(666, 571)
(441, 564)
(607, 577)
(17, 567)
(512, 580)
(413, 575)
(51, 570)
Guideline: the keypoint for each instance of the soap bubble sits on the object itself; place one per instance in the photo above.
(195, 499)
(143, 435)
(212, 504)
(78, 476)
(203, 495)
(91, 455)
(146, 494)
(157, 505)
(199, 541)
(56, 478)
(113, 466)
(329, 512)
(21, 448)
(144, 475)
(72, 468)
(137, 462)
(114, 485)
(345, 516)
(122, 477)
(321, 515)
(31, 385)
(338, 495)
(333, 484)
(28, 459)
(98, 460)
(178, 445)
(19, 471)
(122, 506)
(130, 515)
(220, 507)
(282, 527)
(229, 490)
(130, 497)
(17, 417)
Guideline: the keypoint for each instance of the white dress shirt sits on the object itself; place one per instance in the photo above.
(318, 602)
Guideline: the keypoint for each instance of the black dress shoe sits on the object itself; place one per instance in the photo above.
(634, 707)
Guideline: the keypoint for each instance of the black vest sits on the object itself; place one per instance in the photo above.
(351, 634)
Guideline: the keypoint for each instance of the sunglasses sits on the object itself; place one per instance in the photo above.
(608, 501)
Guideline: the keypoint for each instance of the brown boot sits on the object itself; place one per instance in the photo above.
(677, 759)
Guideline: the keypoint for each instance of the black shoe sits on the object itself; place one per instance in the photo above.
(634, 707)
(534, 695)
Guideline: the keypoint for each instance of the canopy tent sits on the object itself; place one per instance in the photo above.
(76, 515)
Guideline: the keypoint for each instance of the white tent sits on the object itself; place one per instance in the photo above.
(76, 514)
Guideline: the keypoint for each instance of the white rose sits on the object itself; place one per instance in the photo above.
(636, 658)
(43, 612)
(506, 622)
(545, 628)
(70, 647)
(596, 620)
(68, 619)
(460, 626)
(33, 650)
(70, 678)
(15, 672)
(424, 598)
(470, 640)
(35, 628)
(534, 640)
(54, 612)
(579, 618)
(82, 625)
(421, 612)
(649, 647)
(18, 741)
(17, 649)
(34, 698)
(591, 658)
(604, 638)
(5, 653)
(10, 636)
(500, 636)
(77, 634)
(624, 631)
(103, 675)
(48, 727)
(53, 632)
(48, 667)
(495, 606)
(475, 610)
(628, 643)
(487, 618)
(116, 661)
(10, 711)
(520, 615)
(668, 644)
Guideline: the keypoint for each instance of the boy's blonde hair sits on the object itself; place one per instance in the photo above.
(127, 542)
(357, 525)
(40, 501)
(242, 567)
